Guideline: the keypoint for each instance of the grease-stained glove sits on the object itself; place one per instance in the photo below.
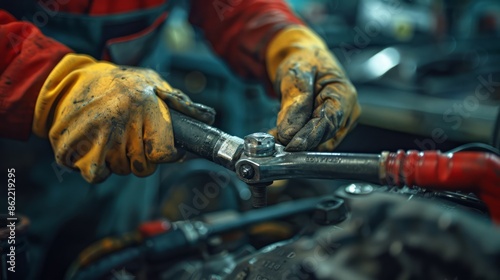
(318, 103)
(102, 118)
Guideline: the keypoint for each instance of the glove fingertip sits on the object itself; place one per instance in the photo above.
(142, 169)
(204, 113)
(283, 134)
(96, 173)
(292, 148)
(328, 146)
(296, 144)
(157, 153)
(273, 132)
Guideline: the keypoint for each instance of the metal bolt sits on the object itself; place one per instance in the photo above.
(259, 195)
(246, 171)
(259, 145)
(359, 189)
(330, 211)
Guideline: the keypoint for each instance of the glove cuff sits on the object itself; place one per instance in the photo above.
(57, 85)
(286, 42)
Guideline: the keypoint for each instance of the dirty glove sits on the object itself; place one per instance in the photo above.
(318, 103)
(102, 118)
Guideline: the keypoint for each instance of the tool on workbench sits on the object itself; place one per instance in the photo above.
(257, 160)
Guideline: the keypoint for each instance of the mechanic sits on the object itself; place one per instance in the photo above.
(61, 80)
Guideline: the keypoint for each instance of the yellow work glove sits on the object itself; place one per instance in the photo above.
(318, 102)
(102, 118)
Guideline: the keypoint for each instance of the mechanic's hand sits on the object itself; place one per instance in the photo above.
(318, 103)
(102, 118)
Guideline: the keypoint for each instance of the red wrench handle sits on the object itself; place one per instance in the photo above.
(476, 172)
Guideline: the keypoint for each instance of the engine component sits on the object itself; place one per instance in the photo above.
(180, 237)
(376, 239)
(330, 211)
(386, 237)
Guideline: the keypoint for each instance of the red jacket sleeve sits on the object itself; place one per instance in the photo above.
(26, 59)
(240, 30)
